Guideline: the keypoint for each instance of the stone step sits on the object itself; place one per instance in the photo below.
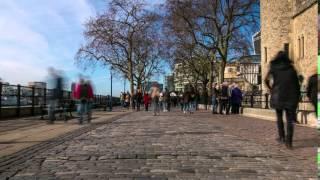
(306, 119)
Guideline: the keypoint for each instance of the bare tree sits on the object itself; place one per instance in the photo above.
(217, 25)
(115, 38)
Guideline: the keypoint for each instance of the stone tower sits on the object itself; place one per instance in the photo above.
(291, 26)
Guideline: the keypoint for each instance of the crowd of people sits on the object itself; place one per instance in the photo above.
(225, 99)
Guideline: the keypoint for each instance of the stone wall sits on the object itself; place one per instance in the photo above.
(305, 26)
(275, 30)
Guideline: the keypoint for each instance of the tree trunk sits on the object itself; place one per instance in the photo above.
(205, 93)
(221, 74)
(131, 81)
(211, 77)
(139, 84)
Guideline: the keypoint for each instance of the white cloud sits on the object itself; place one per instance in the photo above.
(35, 34)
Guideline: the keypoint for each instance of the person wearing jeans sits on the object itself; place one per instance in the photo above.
(214, 98)
(155, 94)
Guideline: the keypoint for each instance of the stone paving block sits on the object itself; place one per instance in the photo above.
(201, 146)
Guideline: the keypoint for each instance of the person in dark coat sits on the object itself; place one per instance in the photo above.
(285, 94)
(186, 101)
(312, 91)
(214, 97)
(236, 98)
(138, 99)
(224, 98)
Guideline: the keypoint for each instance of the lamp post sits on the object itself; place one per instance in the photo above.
(110, 101)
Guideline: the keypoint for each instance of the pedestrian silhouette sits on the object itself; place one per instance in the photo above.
(285, 93)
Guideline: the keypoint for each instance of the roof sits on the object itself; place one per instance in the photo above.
(250, 59)
(256, 59)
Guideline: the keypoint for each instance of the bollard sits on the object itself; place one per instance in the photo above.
(251, 100)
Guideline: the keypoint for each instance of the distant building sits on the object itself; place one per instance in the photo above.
(232, 74)
(250, 70)
(38, 87)
(182, 79)
(169, 82)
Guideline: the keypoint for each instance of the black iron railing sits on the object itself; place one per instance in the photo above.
(260, 100)
(18, 97)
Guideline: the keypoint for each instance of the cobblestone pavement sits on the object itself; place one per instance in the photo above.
(177, 146)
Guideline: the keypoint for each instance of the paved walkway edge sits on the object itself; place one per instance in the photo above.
(18, 158)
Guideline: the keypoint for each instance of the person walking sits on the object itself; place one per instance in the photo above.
(224, 98)
(81, 93)
(236, 98)
(193, 99)
(55, 82)
(161, 101)
(138, 99)
(214, 97)
(186, 101)
(229, 103)
(146, 101)
(127, 99)
(312, 90)
(285, 93)
(155, 94)
(181, 101)
(166, 99)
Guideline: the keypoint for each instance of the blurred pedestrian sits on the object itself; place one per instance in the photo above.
(186, 101)
(214, 96)
(229, 105)
(161, 101)
(55, 82)
(127, 99)
(146, 100)
(193, 99)
(138, 99)
(236, 98)
(155, 94)
(224, 98)
(312, 90)
(122, 99)
(166, 100)
(285, 93)
(181, 100)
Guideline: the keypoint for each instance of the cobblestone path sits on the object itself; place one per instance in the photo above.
(178, 146)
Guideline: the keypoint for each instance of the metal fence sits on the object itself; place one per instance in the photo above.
(18, 97)
(260, 100)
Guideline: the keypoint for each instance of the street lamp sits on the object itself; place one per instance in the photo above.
(110, 101)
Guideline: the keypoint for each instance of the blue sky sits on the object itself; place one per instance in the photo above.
(36, 34)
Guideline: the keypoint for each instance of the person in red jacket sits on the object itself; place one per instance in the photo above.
(146, 100)
(84, 94)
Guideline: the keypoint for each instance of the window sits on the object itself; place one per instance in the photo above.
(230, 70)
(286, 48)
(265, 54)
(302, 46)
